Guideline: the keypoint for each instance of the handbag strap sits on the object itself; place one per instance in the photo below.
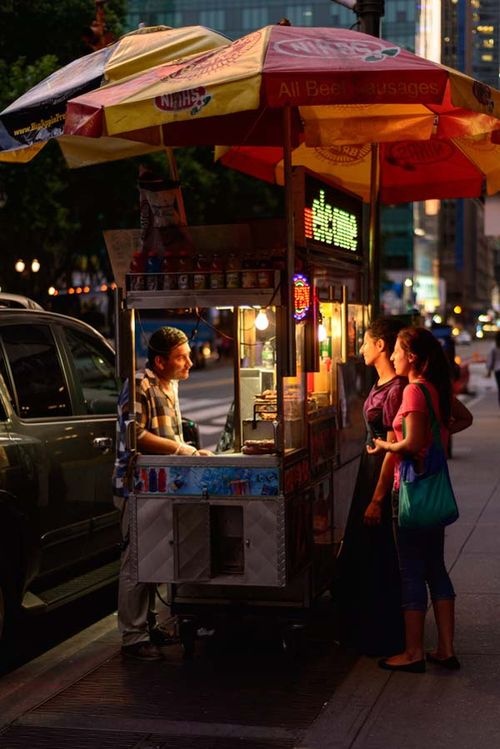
(436, 431)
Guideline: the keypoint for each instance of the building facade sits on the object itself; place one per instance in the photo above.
(421, 242)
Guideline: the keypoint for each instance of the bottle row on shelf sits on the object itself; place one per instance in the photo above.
(183, 271)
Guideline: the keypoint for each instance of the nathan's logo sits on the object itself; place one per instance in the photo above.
(193, 99)
(369, 51)
(330, 224)
(345, 155)
(482, 92)
(410, 154)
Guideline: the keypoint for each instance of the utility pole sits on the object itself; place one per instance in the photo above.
(369, 13)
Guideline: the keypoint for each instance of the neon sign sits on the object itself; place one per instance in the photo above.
(301, 296)
(331, 219)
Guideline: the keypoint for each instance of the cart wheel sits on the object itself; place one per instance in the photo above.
(187, 636)
(292, 639)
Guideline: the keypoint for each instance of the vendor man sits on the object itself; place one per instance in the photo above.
(159, 431)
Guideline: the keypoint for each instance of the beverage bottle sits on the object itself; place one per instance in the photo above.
(200, 272)
(268, 355)
(145, 479)
(162, 480)
(249, 272)
(232, 271)
(216, 272)
(168, 268)
(153, 267)
(136, 279)
(153, 480)
(184, 269)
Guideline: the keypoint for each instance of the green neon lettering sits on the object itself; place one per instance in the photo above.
(332, 225)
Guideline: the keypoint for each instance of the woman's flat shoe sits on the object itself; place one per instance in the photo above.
(452, 663)
(417, 667)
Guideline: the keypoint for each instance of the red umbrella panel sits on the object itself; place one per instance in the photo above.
(407, 170)
(342, 87)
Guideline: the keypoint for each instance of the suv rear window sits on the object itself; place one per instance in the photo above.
(40, 388)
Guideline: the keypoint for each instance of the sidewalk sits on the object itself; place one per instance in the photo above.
(440, 709)
(84, 695)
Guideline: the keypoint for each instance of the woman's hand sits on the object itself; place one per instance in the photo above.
(373, 513)
(379, 445)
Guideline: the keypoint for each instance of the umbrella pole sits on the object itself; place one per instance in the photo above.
(288, 328)
(174, 175)
(374, 252)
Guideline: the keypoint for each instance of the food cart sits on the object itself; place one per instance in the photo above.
(259, 523)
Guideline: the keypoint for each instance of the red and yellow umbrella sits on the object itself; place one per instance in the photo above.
(408, 170)
(341, 86)
(39, 115)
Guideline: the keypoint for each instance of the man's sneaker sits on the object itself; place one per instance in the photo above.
(160, 637)
(142, 651)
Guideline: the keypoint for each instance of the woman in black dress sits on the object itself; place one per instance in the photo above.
(369, 585)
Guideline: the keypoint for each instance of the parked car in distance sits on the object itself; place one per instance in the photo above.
(59, 534)
(463, 337)
(17, 301)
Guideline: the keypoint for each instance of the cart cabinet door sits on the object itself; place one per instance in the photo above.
(265, 553)
(152, 544)
(191, 541)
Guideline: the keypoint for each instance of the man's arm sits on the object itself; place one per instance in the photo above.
(153, 444)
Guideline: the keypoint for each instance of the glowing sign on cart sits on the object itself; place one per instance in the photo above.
(332, 219)
(301, 296)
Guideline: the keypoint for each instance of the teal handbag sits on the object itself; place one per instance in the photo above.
(426, 499)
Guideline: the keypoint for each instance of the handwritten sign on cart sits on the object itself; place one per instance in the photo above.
(121, 245)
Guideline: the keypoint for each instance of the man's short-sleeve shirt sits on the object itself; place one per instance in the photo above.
(156, 411)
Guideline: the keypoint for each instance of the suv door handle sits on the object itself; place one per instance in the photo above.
(103, 443)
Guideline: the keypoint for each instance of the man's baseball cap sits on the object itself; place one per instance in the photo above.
(164, 340)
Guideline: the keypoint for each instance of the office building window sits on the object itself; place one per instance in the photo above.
(342, 18)
(300, 15)
(214, 19)
(173, 18)
(400, 11)
(254, 18)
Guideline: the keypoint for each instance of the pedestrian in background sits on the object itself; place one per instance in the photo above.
(369, 584)
(419, 356)
(493, 363)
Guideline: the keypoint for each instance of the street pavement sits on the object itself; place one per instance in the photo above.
(83, 694)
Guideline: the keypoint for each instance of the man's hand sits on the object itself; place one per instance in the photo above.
(205, 452)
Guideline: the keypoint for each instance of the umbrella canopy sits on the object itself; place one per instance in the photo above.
(342, 87)
(407, 170)
(39, 114)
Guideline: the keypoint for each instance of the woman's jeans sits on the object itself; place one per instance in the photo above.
(421, 563)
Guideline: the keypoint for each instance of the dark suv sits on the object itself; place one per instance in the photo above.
(58, 528)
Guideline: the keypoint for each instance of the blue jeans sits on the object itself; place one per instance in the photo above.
(421, 564)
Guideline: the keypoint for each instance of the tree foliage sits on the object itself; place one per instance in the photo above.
(57, 214)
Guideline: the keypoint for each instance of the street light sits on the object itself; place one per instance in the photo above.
(20, 265)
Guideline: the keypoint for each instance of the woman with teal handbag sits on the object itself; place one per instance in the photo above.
(427, 416)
